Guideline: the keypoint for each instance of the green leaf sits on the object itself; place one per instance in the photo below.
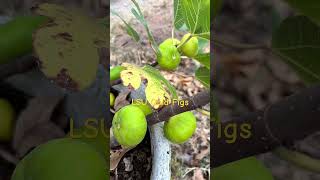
(204, 18)
(203, 75)
(155, 73)
(297, 42)
(245, 169)
(178, 16)
(131, 32)
(139, 15)
(309, 8)
(204, 59)
(203, 44)
(196, 14)
(68, 46)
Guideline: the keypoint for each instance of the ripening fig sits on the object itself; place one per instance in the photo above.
(170, 56)
(171, 41)
(179, 128)
(62, 159)
(190, 48)
(7, 116)
(129, 126)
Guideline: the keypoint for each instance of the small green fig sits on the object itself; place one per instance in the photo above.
(62, 159)
(170, 56)
(115, 72)
(129, 126)
(112, 99)
(7, 116)
(179, 128)
(190, 48)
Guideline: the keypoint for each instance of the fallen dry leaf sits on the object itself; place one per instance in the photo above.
(197, 175)
(121, 100)
(34, 125)
(116, 156)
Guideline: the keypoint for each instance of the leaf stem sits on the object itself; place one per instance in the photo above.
(202, 34)
(299, 159)
(204, 112)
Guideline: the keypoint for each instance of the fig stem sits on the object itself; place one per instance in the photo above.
(299, 159)
(204, 112)
(180, 45)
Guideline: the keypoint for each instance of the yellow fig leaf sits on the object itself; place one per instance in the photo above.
(68, 45)
(158, 91)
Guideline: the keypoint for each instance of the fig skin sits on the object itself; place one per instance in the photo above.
(179, 128)
(97, 137)
(190, 48)
(170, 56)
(170, 41)
(115, 72)
(112, 99)
(7, 115)
(16, 36)
(62, 159)
(129, 126)
(147, 110)
(244, 169)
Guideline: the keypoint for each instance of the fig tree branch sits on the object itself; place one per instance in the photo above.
(194, 102)
(280, 124)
